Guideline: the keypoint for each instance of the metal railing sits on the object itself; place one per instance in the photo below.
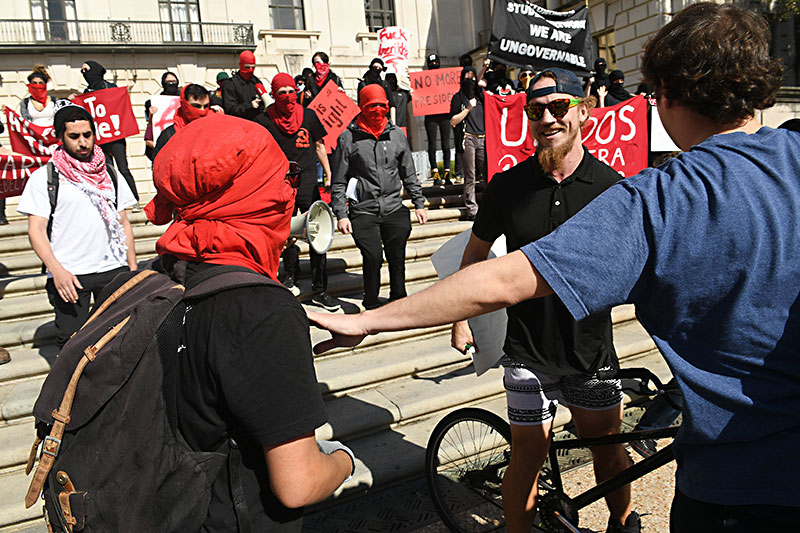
(123, 33)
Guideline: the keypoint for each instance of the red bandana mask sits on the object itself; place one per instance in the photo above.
(247, 58)
(374, 107)
(186, 113)
(38, 92)
(321, 73)
(285, 112)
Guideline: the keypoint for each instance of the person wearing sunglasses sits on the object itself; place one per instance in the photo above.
(524, 78)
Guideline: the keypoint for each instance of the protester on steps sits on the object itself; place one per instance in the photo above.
(441, 123)
(373, 75)
(322, 75)
(38, 107)
(169, 85)
(194, 104)
(467, 118)
(240, 96)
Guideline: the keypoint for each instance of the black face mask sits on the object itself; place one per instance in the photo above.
(170, 88)
(94, 76)
(469, 87)
(372, 75)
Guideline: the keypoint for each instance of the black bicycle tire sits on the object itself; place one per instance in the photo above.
(466, 414)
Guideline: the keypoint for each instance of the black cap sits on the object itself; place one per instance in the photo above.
(566, 82)
(432, 58)
(616, 75)
(66, 111)
(377, 60)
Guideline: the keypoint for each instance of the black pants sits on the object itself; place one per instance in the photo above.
(2, 208)
(442, 123)
(692, 516)
(71, 316)
(307, 194)
(119, 151)
(393, 230)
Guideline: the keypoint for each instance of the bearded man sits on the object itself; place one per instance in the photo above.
(549, 356)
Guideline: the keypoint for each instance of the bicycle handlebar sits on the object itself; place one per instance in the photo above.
(643, 377)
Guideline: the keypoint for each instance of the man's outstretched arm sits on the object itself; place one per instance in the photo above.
(476, 290)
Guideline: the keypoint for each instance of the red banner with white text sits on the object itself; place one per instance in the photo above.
(14, 172)
(112, 112)
(29, 139)
(615, 135)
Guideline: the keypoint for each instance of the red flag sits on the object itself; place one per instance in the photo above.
(15, 171)
(112, 112)
(617, 136)
(28, 139)
(335, 110)
(508, 139)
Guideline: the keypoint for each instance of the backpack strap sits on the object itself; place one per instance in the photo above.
(225, 277)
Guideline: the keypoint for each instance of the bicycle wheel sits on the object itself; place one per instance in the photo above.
(466, 457)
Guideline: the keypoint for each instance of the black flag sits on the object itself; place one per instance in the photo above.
(526, 34)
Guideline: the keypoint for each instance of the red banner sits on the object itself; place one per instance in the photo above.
(28, 139)
(112, 112)
(335, 110)
(615, 135)
(432, 90)
(15, 171)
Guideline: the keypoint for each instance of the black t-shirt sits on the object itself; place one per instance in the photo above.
(248, 368)
(299, 147)
(526, 204)
(475, 122)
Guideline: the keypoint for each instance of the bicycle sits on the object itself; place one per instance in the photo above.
(470, 448)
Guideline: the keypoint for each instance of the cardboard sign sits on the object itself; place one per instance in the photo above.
(432, 90)
(508, 141)
(112, 112)
(335, 110)
(166, 106)
(29, 139)
(393, 49)
(615, 135)
(15, 171)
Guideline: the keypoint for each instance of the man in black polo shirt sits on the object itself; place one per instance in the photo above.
(548, 355)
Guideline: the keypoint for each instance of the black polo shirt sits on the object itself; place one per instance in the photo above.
(526, 204)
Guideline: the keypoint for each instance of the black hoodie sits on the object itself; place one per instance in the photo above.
(94, 77)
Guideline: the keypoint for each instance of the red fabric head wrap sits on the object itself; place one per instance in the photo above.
(247, 58)
(38, 92)
(373, 119)
(321, 72)
(285, 112)
(231, 200)
(186, 113)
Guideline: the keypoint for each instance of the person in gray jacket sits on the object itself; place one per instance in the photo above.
(372, 164)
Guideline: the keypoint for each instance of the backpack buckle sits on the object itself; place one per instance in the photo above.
(54, 452)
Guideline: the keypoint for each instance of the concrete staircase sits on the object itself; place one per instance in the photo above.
(383, 398)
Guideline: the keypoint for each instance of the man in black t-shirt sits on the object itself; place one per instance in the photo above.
(245, 371)
(548, 355)
(466, 116)
(299, 133)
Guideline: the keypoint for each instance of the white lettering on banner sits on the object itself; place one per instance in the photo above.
(602, 155)
(561, 36)
(627, 120)
(541, 52)
(504, 136)
(594, 129)
(512, 162)
(612, 130)
(104, 129)
(539, 31)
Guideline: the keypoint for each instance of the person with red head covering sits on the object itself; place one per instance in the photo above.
(372, 164)
(299, 133)
(321, 76)
(241, 94)
(248, 364)
(194, 104)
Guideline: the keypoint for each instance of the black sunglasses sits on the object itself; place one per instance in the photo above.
(558, 108)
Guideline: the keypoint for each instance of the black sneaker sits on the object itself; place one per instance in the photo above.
(323, 299)
(644, 447)
(3, 221)
(633, 524)
(289, 283)
(373, 305)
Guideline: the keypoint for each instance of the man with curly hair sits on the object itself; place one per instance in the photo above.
(707, 247)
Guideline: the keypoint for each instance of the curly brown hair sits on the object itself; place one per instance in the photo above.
(714, 59)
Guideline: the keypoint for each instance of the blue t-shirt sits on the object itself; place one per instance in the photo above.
(708, 248)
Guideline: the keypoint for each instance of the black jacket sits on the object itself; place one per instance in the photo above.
(316, 89)
(163, 137)
(237, 95)
(382, 167)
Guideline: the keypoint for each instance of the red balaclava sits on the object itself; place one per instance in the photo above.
(231, 201)
(321, 73)
(285, 112)
(372, 119)
(186, 113)
(247, 58)
(38, 92)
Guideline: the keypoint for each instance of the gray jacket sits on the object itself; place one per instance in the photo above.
(380, 165)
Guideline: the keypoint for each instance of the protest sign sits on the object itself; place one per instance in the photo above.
(166, 106)
(526, 34)
(393, 49)
(29, 139)
(112, 112)
(335, 110)
(615, 135)
(660, 141)
(432, 90)
(507, 139)
(15, 171)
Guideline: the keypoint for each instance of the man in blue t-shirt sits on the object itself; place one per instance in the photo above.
(708, 248)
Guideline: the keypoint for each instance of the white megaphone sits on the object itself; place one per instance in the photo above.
(316, 226)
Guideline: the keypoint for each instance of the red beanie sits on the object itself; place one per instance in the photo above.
(373, 94)
(247, 58)
(282, 80)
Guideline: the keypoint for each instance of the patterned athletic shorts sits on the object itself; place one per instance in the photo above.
(533, 397)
